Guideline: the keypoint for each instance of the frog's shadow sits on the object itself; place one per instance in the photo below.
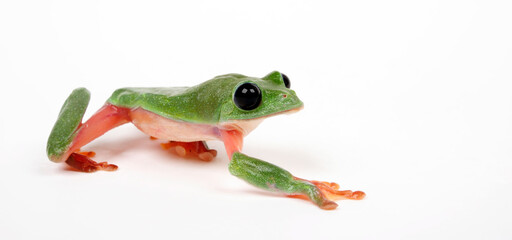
(111, 149)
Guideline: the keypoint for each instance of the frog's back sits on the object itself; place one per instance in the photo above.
(134, 97)
(176, 103)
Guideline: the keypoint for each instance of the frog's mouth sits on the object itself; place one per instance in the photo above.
(289, 111)
(245, 126)
(293, 110)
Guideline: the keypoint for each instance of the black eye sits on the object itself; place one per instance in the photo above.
(286, 80)
(247, 96)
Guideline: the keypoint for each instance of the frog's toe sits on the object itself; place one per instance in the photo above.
(88, 153)
(329, 205)
(331, 185)
(208, 156)
(358, 195)
(107, 167)
(180, 150)
(83, 163)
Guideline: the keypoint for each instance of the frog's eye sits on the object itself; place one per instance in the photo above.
(286, 80)
(247, 96)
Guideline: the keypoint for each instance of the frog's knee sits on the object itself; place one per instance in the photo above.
(69, 119)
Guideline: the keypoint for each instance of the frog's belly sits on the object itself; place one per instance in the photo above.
(173, 130)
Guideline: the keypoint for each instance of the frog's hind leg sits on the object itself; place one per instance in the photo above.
(69, 133)
(197, 149)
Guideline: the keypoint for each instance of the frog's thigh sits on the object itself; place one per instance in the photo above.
(105, 119)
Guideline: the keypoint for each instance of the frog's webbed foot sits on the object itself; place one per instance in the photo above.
(81, 161)
(325, 193)
(197, 149)
(331, 191)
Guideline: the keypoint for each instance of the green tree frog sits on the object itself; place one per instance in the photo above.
(225, 108)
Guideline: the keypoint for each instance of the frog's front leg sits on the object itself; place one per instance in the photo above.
(273, 178)
(69, 133)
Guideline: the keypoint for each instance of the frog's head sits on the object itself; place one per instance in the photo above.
(253, 99)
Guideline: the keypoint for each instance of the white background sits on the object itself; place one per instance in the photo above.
(409, 101)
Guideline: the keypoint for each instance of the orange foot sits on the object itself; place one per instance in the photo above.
(329, 193)
(197, 149)
(81, 161)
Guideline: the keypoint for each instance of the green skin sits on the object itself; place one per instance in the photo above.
(208, 103)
